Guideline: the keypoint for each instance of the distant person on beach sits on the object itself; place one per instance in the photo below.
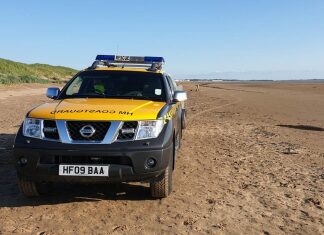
(197, 87)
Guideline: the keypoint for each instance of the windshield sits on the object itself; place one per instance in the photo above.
(115, 84)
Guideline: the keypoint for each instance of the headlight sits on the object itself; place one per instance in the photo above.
(32, 128)
(149, 129)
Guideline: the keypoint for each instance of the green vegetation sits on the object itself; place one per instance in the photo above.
(14, 72)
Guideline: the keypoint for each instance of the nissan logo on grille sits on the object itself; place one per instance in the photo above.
(87, 131)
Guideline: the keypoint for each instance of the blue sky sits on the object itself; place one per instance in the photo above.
(194, 36)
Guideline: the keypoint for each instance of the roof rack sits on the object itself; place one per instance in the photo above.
(150, 62)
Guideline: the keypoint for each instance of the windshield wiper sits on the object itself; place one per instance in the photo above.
(147, 98)
(97, 95)
(90, 95)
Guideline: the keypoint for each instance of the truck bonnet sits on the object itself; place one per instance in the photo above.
(98, 109)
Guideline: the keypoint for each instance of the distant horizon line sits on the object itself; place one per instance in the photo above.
(281, 75)
(250, 80)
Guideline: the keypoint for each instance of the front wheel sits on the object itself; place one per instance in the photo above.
(163, 187)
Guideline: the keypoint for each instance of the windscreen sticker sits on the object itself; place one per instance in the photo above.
(91, 111)
(158, 91)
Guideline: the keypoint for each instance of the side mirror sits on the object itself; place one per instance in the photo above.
(52, 92)
(179, 96)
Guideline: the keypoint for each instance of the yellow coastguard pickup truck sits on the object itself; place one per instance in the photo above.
(120, 120)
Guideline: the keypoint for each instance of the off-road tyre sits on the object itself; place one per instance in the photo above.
(27, 187)
(162, 187)
(183, 119)
(178, 140)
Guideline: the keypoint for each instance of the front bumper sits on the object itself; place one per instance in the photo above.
(126, 160)
(43, 164)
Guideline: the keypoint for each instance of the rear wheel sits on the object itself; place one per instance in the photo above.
(178, 140)
(183, 119)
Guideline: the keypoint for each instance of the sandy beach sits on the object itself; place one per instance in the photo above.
(251, 162)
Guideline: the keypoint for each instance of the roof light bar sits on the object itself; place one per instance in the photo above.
(105, 57)
(130, 59)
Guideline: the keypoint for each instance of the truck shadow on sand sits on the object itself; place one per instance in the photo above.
(303, 127)
(69, 193)
(59, 193)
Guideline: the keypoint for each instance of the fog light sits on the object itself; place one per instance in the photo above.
(22, 161)
(150, 163)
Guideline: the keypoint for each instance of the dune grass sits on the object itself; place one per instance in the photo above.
(10, 79)
(14, 72)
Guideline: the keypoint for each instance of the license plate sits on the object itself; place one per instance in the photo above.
(83, 170)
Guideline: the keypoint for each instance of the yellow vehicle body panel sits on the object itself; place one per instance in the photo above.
(98, 109)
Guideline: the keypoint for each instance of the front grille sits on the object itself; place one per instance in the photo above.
(128, 130)
(99, 160)
(100, 128)
(50, 130)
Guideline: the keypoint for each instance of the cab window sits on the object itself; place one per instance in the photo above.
(116, 84)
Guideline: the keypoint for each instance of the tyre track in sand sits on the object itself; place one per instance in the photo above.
(194, 116)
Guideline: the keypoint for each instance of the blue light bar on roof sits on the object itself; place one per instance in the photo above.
(152, 59)
(105, 57)
(130, 59)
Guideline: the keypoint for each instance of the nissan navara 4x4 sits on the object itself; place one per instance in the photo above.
(120, 120)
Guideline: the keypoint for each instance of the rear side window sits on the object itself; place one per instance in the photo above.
(174, 83)
(171, 83)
